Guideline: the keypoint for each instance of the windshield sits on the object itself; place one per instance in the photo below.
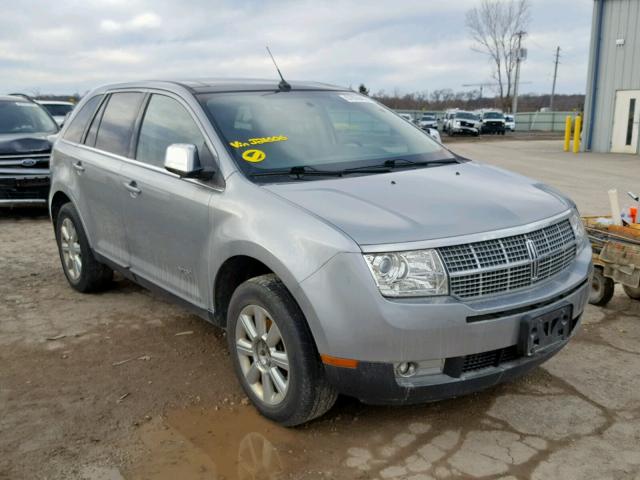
(266, 131)
(24, 117)
(493, 115)
(465, 115)
(58, 109)
(428, 117)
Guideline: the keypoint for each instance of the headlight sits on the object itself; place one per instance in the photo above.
(418, 273)
(578, 229)
(457, 123)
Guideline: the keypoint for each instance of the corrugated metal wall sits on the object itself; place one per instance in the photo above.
(619, 65)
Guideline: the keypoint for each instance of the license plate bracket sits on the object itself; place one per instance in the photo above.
(545, 331)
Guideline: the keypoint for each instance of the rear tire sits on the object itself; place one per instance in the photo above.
(84, 273)
(602, 288)
(632, 292)
(274, 354)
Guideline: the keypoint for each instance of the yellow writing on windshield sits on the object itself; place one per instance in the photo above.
(258, 141)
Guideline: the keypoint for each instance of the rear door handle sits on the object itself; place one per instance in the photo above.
(78, 166)
(132, 186)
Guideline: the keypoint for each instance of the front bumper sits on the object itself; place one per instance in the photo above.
(24, 189)
(376, 383)
(493, 128)
(465, 130)
(349, 318)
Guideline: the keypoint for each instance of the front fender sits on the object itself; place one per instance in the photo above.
(251, 221)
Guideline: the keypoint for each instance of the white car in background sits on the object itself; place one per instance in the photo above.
(510, 123)
(58, 109)
(428, 121)
(407, 116)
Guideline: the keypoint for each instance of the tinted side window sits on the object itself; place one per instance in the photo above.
(76, 127)
(90, 139)
(166, 122)
(116, 127)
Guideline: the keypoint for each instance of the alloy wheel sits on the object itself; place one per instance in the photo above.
(71, 251)
(262, 354)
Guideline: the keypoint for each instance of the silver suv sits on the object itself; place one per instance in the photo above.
(342, 249)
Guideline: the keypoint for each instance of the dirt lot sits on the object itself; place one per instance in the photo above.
(124, 385)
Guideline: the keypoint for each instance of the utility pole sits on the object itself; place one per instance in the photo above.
(519, 58)
(555, 75)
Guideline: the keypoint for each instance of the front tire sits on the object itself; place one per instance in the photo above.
(274, 355)
(84, 273)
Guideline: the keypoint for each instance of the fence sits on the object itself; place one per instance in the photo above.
(542, 121)
(525, 121)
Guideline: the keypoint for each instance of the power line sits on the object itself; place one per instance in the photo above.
(481, 85)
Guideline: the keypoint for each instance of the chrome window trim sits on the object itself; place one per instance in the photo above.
(147, 166)
(132, 161)
(463, 239)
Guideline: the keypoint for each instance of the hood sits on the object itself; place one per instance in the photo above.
(425, 203)
(13, 144)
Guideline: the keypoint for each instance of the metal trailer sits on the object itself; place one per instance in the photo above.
(616, 259)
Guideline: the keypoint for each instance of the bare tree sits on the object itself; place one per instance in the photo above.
(494, 26)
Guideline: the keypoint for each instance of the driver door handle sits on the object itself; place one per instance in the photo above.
(132, 186)
(78, 166)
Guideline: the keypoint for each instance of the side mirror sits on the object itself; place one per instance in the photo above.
(182, 159)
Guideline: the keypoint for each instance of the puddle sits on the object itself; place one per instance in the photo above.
(445, 439)
(353, 441)
(221, 445)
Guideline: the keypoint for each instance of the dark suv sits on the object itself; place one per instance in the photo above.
(24, 151)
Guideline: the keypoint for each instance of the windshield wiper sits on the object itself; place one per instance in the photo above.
(298, 172)
(385, 167)
(389, 165)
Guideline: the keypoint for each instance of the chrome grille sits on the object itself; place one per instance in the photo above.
(505, 264)
(34, 160)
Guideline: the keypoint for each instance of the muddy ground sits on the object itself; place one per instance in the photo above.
(124, 385)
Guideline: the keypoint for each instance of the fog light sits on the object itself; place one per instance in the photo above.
(417, 370)
(406, 369)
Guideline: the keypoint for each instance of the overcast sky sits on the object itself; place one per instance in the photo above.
(66, 46)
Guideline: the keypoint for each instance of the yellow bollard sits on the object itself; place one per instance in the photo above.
(576, 134)
(567, 133)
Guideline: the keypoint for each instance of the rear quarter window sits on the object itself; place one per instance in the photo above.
(77, 126)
